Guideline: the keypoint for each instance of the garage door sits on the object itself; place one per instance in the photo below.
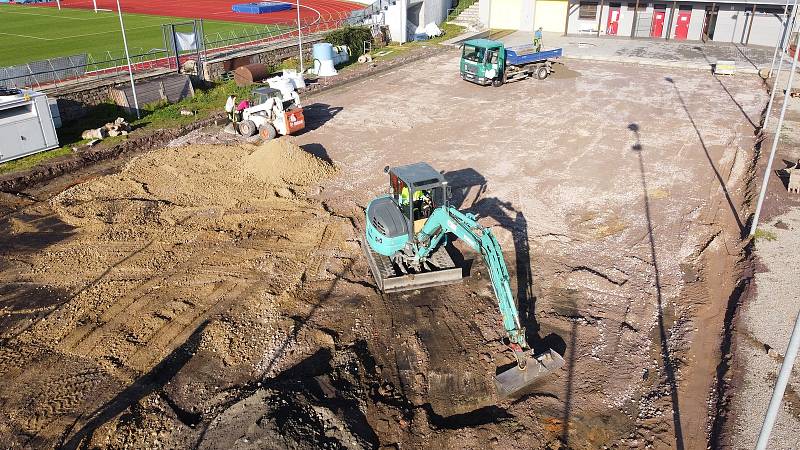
(551, 15)
(506, 14)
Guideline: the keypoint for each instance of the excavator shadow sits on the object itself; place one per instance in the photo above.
(468, 188)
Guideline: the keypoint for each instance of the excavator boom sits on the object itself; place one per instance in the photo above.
(530, 367)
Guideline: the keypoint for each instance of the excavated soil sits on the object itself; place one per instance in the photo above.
(214, 295)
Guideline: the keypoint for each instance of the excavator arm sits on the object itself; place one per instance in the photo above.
(530, 367)
(465, 226)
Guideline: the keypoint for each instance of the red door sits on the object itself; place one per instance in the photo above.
(682, 28)
(657, 28)
(613, 21)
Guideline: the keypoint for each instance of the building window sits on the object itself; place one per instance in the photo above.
(587, 10)
(769, 10)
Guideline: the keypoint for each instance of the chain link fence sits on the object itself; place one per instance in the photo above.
(82, 68)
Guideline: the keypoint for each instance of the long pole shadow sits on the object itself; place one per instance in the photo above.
(292, 336)
(669, 367)
(733, 99)
(573, 339)
(151, 382)
(738, 105)
(299, 324)
(708, 157)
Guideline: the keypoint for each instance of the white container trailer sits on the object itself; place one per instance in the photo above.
(26, 124)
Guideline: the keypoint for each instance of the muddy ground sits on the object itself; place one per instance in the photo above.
(187, 302)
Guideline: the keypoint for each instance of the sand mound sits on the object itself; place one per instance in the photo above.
(282, 161)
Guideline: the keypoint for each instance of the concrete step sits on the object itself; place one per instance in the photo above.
(469, 16)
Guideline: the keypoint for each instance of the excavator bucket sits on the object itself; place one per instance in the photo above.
(515, 379)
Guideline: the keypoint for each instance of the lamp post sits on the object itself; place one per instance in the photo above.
(776, 138)
(780, 387)
(299, 36)
(128, 57)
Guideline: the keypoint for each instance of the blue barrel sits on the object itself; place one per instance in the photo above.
(322, 51)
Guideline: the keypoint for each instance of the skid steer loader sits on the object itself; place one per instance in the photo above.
(271, 115)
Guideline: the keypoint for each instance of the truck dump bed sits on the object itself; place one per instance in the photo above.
(520, 56)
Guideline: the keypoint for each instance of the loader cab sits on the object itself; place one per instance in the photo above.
(417, 189)
(262, 94)
(482, 60)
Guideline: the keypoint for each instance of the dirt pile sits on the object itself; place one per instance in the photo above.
(158, 286)
(282, 161)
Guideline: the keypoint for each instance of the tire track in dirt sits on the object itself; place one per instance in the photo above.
(142, 276)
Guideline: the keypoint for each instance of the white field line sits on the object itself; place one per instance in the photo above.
(78, 35)
(51, 15)
(26, 36)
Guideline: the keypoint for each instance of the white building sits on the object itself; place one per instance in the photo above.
(405, 17)
(749, 23)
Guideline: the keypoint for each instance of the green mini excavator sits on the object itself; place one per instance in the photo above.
(406, 234)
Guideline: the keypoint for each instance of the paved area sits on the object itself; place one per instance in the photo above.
(768, 320)
(679, 54)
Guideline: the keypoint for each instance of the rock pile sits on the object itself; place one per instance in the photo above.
(118, 127)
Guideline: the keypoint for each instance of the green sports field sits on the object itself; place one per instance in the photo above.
(29, 33)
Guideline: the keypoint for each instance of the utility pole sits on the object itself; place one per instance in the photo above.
(779, 42)
(299, 37)
(789, 27)
(128, 57)
(780, 387)
(775, 140)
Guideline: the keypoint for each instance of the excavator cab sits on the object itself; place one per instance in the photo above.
(393, 221)
(418, 190)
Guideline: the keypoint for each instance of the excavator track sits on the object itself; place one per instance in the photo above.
(389, 279)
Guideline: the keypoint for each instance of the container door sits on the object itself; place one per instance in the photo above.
(657, 29)
(682, 28)
(30, 136)
(613, 20)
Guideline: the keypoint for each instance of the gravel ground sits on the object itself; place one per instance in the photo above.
(769, 319)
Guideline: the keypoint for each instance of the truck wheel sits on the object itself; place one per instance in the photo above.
(247, 128)
(497, 83)
(542, 73)
(267, 132)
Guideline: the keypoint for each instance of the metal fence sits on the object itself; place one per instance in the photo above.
(57, 72)
(45, 71)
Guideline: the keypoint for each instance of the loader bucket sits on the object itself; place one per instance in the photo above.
(516, 379)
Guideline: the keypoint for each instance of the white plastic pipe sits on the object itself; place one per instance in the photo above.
(775, 140)
(128, 57)
(780, 387)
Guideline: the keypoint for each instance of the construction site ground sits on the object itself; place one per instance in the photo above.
(770, 306)
(214, 294)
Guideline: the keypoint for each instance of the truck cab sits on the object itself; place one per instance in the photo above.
(483, 61)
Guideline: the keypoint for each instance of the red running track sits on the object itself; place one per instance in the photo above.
(221, 9)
